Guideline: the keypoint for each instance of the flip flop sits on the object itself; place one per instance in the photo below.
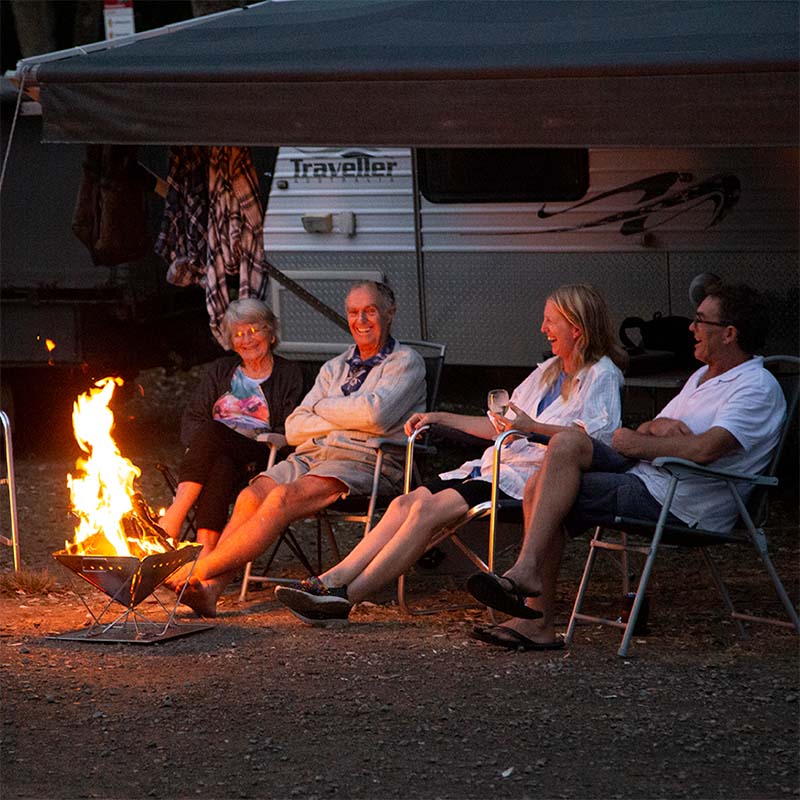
(502, 636)
(486, 587)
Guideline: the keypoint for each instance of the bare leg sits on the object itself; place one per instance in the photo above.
(356, 561)
(247, 535)
(185, 497)
(541, 630)
(548, 499)
(424, 516)
(207, 538)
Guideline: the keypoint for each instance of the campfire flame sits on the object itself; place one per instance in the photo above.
(112, 518)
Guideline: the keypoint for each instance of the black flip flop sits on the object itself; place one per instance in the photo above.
(502, 636)
(486, 588)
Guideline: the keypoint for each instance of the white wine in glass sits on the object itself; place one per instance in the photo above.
(497, 401)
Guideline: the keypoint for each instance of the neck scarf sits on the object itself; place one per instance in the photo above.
(360, 368)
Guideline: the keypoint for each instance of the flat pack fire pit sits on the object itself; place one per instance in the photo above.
(128, 581)
(118, 547)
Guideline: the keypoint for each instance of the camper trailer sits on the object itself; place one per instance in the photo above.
(474, 239)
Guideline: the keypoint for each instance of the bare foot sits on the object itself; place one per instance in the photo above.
(200, 597)
(534, 629)
(179, 577)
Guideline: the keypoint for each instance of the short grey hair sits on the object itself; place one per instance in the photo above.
(250, 311)
(383, 291)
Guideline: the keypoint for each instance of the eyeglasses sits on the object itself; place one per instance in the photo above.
(699, 321)
(252, 330)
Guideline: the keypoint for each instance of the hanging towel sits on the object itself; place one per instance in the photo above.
(235, 223)
(183, 241)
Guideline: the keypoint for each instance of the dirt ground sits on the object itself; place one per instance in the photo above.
(391, 706)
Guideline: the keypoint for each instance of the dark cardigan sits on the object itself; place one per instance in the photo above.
(282, 390)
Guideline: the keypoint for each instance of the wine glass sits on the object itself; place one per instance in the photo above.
(497, 401)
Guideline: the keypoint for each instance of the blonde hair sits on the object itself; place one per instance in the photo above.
(585, 308)
(252, 311)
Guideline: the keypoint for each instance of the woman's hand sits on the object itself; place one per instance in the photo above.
(419, 420)
(521, 422)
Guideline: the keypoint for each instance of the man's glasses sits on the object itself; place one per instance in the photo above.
(251, 331)
(700, 321)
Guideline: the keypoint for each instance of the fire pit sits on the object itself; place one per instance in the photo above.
(118, 546)
(128, 580)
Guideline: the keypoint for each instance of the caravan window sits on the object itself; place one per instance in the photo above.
(503, 175)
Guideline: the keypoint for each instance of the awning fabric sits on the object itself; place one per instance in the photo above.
(442, 73)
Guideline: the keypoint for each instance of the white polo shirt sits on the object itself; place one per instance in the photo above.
(747, 402)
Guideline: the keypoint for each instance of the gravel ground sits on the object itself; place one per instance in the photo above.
(392, 706)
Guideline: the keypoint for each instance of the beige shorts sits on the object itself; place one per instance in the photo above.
(352, 467)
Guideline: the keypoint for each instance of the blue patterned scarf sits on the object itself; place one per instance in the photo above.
(359, 369)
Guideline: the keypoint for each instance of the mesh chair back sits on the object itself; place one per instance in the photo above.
(786, 370)
(433, 355)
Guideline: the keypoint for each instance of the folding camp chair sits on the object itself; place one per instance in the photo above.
(360, 509)
(496, 510)
(750, 528)
(9, 481)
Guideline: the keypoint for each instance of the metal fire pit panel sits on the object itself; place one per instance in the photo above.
(124, 578)
(128, 633)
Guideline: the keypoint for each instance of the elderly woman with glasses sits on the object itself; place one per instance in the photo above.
(240, 397)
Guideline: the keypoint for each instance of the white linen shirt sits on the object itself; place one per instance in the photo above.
(747, 402)
(594, 405)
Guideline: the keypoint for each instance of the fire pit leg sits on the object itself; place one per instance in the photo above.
(129, 581)
(96, 617)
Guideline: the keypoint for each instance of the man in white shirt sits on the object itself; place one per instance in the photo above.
(367, 391)
(729, 413)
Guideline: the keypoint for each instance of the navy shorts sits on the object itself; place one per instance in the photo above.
(473, 490)
(607, 491)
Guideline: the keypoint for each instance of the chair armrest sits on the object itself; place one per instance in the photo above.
(386, 443)
(682, 468)
(277, 440)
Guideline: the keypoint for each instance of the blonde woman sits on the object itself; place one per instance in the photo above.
(579, 387)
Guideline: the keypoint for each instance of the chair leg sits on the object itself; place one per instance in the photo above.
(324, 522)
(759, 541)
(584, 584)
(648, 567)
(11, 482)
(723, 590)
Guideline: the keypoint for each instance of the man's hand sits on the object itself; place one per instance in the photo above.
(664, 426)
(419, 420)
(626, 441)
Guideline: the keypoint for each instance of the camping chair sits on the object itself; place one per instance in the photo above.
(275, 442)
(361, 509)
(9, 481)
(497, 509)
(750, 528)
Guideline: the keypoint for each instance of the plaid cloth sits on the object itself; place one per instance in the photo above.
(235, 237)
(183, 240)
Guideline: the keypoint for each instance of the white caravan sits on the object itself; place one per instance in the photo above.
(472, 240)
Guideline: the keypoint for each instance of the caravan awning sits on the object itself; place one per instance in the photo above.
(440, 73)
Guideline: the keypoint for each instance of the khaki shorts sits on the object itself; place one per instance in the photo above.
(353, 468)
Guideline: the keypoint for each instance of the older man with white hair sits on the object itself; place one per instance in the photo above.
(370, 390)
